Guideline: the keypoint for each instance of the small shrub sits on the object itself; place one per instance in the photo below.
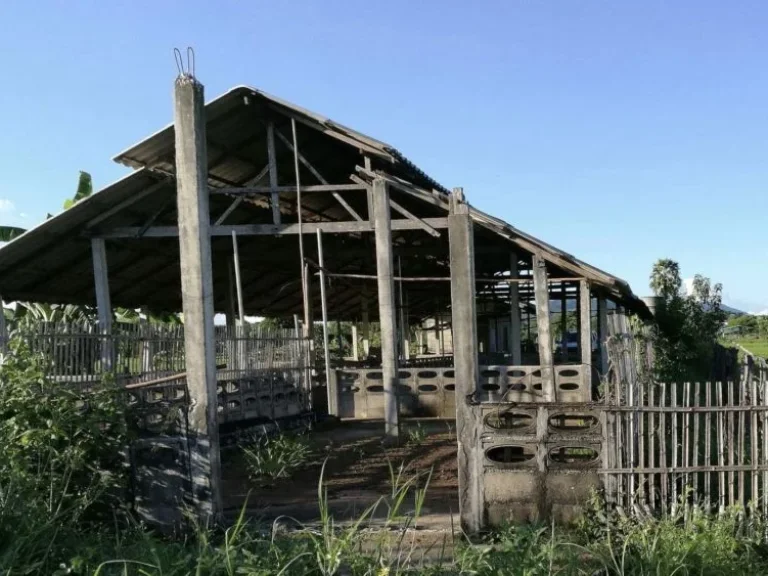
(416, 435)
(276, 456)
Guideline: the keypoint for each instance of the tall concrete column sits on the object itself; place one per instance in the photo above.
(103, 302)
(515, 326)
(585, 333)
(197, 294)
(541, 289)
(387, 311)
(465, 356)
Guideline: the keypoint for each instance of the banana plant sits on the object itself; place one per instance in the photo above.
(8, 233)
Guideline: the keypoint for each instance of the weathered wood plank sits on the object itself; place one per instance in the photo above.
(271, 229)
(275, 196)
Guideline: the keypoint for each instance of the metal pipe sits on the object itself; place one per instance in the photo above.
(324, 305)
(238, 283)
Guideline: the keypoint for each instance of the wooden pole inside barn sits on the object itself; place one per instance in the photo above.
(514, 312)
(602, 333)
(386, 285)
(324, 307)
(197, 294)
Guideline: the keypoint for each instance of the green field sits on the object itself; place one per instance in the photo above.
(758, 347)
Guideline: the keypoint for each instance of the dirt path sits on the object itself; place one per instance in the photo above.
(358, 470)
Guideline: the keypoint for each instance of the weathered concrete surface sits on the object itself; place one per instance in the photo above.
(386, 286)
(197, 291)
(468, 417)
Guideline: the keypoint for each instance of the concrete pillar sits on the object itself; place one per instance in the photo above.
(541, 290)
(386, 286)
(355, 351)
(515, 326)
(602, 333)
(468, 416)
(103, 302)
(585, 332)
(197, 295)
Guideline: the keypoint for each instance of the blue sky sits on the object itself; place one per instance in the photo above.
(622, 132)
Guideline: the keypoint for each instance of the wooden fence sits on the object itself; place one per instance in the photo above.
(263, 371)
(672, 444)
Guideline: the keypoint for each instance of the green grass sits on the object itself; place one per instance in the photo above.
(756, 346)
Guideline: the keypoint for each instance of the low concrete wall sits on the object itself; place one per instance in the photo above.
(540, 461)
(431, 391)
(426, 392)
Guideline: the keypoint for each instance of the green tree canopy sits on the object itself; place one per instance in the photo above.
(687, 326)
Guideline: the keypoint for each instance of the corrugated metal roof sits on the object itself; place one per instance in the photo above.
(52, 262)
(155, 151)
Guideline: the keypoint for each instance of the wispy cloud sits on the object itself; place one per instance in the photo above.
(6, 206)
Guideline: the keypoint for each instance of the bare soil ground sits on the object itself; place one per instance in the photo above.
(357, 473)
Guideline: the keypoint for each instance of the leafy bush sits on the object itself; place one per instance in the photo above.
(276, 456)
(61, 463)
(687, 327)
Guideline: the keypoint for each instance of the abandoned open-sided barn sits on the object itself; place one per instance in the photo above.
(251, 206)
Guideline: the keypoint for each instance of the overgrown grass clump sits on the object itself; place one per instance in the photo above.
(279, 456)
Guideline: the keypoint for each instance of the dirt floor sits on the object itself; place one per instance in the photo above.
(358, 468)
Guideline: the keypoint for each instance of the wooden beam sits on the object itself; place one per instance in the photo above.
(271, 229)
(228, 211)
(317, 175)
(542, 321)
(125, 203)
(431, 231)
(151, 220)
(515, 325)
(332, 401)
(602, 333)
(275, 198)
(268, 189)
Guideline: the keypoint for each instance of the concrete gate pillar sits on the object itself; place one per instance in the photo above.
(465, 351)
(197, 295)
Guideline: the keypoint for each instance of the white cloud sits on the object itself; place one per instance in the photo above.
(6, 206)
